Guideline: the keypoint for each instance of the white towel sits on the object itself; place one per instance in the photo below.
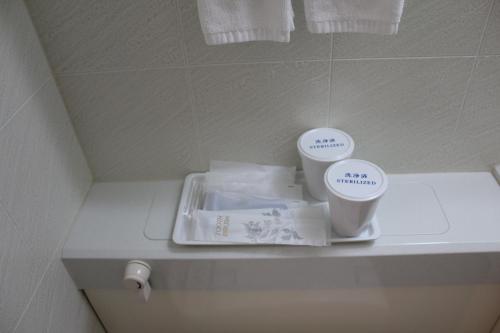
(370, 16)
(236, 21)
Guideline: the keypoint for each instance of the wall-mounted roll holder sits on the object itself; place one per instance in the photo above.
(136, 278)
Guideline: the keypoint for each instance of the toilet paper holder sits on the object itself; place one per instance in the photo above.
(136, 278)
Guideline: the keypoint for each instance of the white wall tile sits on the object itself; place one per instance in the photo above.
(99, 35)
(130, 122)
(58, 307)
(169, 152)
(476, 144)
(43, 176)
(401, 113)
(98, 328)
(428, 28)
(43, 180)
(491, 41)
(256, 112)
(23, 67)
(134, 125)
(9, 312)
(303, 45)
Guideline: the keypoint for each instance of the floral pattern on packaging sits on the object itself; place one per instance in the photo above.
(265, 226)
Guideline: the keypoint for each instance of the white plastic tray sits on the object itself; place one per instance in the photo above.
(183, 228)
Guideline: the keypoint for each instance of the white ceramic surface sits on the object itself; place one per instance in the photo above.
(430, 309)
(424, 214)
(120, 212)
(418, 264)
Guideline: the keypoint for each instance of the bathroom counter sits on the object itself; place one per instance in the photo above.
(420, 215)
(135, 220)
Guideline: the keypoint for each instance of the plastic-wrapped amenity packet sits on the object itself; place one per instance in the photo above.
(298, 226)
(270, 190)
(229, 172)
(236, 186)
(220, 200)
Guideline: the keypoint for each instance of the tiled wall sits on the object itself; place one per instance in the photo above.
(150, 100)
(43, 181)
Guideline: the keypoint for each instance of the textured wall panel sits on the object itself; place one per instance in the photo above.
(250, 101)
(400, 112)
(43, 180)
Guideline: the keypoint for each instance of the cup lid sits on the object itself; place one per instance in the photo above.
(356, 180)
(326, 144)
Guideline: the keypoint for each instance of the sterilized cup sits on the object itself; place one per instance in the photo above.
(354, 189)
(318, 149)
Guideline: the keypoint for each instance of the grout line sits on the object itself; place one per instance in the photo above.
(189, 82)
(98, 319)
(331, 96)
(464, 97)
(53, 256)
(495, 324)
(26, 101)
(182, 35)
(485, 27)
(73, 128)
(117, 162)
(472, 71)
(39, 283)
(270, 62)
(194, 117)
(406, 58)
(3, 208)
(114, 71)
(330, 85)
(52, 75)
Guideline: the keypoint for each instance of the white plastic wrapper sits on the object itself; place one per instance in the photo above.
(236, 172)
(271, 190)
(236, 186)
(298, 226)
(220, 200)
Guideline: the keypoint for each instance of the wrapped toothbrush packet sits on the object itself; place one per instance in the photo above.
(243, 203)
(261, 226)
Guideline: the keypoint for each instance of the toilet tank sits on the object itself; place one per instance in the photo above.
(435, 268)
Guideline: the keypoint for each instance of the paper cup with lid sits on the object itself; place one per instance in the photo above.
(354, 189)
(318, 149)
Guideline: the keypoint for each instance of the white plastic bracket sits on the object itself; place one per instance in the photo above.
(136, 278)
